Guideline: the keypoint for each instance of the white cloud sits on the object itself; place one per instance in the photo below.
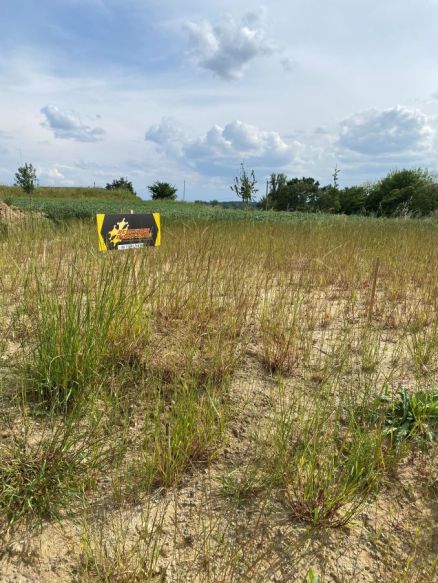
(53, 173)
(222, 148)
(227, 48)
(68, 125)
(391, 131)
(168, 135)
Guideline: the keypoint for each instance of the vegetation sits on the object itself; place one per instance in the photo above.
(402, 192)
(75, 194)
(162, 190)
(205, 408)
(121, 185)
(26, 178)
(245, 186)
(412, 415)
(59, 209)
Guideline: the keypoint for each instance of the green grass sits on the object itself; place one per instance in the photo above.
(79, 330)
(41, 477)
(74, 192)
(60, 209)
(323, 470)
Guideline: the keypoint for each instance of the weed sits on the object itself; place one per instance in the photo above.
(242, 487)
(412, 416)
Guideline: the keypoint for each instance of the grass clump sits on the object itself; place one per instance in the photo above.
(280, 339)
(42, 477)
(80, 327)
(323, 473)
(110, 553)
(184, 434)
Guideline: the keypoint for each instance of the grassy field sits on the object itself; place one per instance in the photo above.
(60, 209)
(65, 192)
(256, 400)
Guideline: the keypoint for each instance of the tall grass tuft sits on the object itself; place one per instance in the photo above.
(80, 326)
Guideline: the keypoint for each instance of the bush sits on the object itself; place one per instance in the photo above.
(352, 200)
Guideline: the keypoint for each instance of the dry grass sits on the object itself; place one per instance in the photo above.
(179, 408)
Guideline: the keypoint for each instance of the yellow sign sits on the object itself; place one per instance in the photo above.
(120, 232)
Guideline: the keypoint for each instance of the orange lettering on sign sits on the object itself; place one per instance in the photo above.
(135, 234)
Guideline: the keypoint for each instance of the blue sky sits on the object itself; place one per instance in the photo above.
(177, 90)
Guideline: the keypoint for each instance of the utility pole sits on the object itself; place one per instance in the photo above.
(184, 191)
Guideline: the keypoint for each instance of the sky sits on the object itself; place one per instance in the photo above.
(186, 90)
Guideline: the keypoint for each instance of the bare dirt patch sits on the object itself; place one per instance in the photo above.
(9, 214)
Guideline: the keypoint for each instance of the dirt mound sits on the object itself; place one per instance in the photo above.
(9, 214)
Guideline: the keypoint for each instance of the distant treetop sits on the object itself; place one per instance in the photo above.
(26, 178)
(162, 190)
(120, 184)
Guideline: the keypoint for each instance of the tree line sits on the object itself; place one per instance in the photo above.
(401, 192)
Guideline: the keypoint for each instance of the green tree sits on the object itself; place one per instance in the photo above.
(424, 201)
(120, 184)
(244, 185)
(26, 178)
(276, 183)
(298, 194)
(163, 190)
(335, 175)
(406, 190)
(352, 200)
(325, 199)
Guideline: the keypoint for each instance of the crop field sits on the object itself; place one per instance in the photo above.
(254, 401)
(61, 209)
